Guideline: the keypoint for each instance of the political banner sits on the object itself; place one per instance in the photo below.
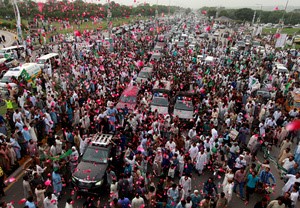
(280, 42)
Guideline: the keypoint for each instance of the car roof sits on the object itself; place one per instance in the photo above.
(47, 56)
(147, 69)
(167, 85)
(131, 91)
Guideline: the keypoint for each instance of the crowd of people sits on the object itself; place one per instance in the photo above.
(162, 155)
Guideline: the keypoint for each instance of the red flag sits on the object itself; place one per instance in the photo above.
(77, 33)
(40, 6)
(277, 35)
(293, 126)
(207, 29)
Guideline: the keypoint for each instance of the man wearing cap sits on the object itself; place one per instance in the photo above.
(196, 199)
(74, 158)
(239, 163)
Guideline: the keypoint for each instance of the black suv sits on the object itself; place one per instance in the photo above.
(89, 176)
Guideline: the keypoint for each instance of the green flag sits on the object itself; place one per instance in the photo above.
(66, 154)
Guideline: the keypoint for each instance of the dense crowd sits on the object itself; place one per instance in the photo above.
(161, 154)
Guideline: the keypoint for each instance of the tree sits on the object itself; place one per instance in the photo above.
(188, 10)
(211, 13)
(223, 13)
(244, 14)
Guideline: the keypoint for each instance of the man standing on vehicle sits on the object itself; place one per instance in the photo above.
(74, 159)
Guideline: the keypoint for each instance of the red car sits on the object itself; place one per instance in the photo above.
(129, 98)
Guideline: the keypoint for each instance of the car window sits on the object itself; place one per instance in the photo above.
(184, 105)
(144, 75)
(95, 155)
(160, 101)
(41, 61)
(6, 79)
(128, 99)
(14, 69)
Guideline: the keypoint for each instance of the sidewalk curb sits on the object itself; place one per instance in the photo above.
(15, 176)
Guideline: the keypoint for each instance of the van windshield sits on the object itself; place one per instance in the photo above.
(144, 75)
(14, 69)
(128, 99)
(6, 79)
(41, 61)
(95, 155)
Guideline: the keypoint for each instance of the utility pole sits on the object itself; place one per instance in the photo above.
(18, 21)
(259, 17)
(109, 15)
(281, 22)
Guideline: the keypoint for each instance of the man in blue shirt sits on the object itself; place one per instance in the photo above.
(125, 202)
(265, 176)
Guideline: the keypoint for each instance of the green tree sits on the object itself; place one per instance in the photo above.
(188, 10)
(223, 13)
(211, 12)
(244, 14)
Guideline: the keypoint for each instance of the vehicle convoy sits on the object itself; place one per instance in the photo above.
(89, 176)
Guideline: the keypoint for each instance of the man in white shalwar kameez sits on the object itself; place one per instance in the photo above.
(186, 183)
(201, 161)
(193, 151)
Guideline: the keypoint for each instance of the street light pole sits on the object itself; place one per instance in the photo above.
(281, 22)
(18, 20)
(108, 20)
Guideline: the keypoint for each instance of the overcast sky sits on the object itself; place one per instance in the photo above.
(226, 3)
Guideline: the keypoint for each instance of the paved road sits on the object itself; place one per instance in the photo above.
(14, 192)
(10, 38)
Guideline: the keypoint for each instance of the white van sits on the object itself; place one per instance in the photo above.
(28, 71)
(9, 51)
(48, 58)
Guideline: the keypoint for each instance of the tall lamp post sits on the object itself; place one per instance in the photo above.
(281, 22)
(109, 20)
(18, 20)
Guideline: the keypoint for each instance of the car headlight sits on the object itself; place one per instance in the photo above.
(99, 183)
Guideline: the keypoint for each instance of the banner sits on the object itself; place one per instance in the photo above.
(281, 41)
